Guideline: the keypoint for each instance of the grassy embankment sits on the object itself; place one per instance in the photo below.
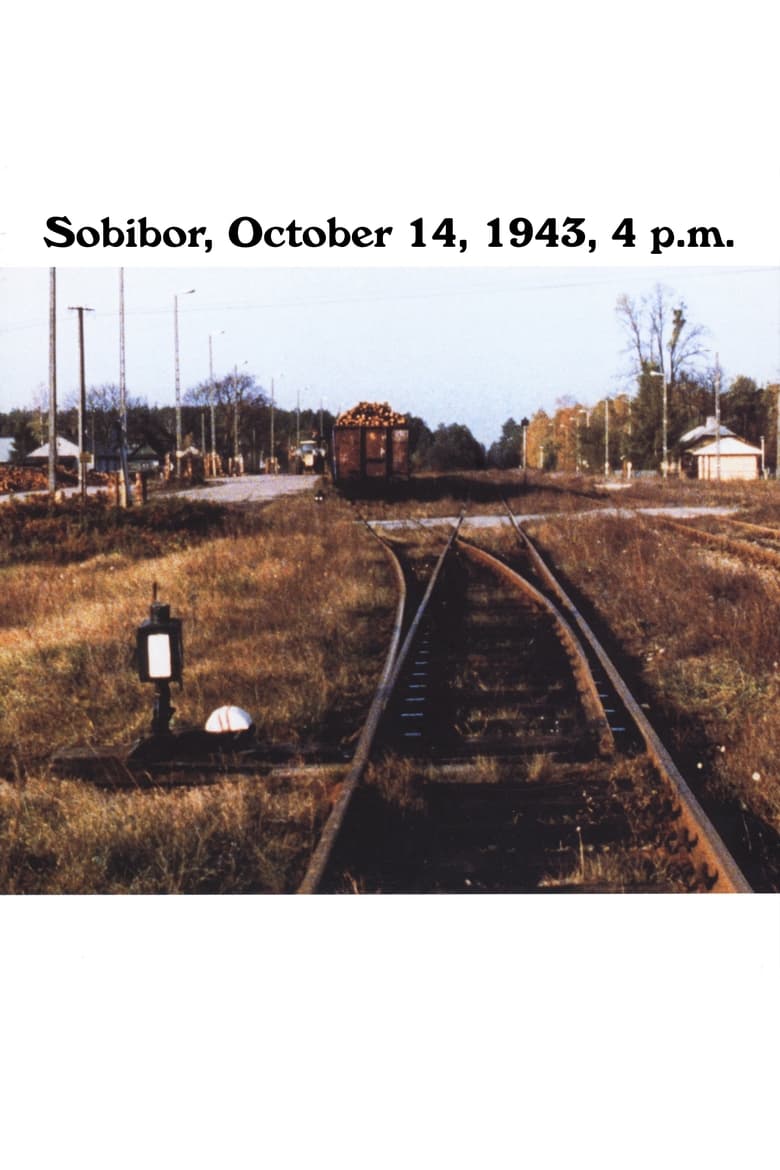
(286, 612)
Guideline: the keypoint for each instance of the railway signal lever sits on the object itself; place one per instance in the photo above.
(160, 659)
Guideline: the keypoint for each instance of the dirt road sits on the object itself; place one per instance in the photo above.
(242, 489)
(250, 488)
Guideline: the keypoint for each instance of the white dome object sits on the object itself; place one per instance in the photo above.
(227, 719)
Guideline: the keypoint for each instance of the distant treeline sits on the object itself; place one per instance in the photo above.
(574, 437)
(245, 421)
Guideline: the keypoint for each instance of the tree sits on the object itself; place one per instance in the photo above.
(660, 339)
(24, 438)
(153, 426)
(743, 408)
(454, 448)
(239, 405)
(420, 442)
(508, 450)
(659, 335)
(102, 420)
(770, 397)
(541, 448)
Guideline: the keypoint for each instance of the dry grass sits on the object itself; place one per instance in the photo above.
(397, 781)
(273, 622)
(702, 632)
(289, 621)
(485, 493)
(232, 837)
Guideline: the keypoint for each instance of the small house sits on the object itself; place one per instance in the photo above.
(727, 458)
(67, 454)
(107, 459)
(713, 451)
(143, 458)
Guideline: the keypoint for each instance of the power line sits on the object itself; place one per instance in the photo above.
(614, 275)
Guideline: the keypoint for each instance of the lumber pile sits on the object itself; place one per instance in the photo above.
(23, 479)
(371, 414)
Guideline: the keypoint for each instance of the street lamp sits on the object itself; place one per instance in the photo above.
(664, 422)
(178, 385)
(52, 381)
(212, 390)
(236, 452)
(272, 464)
(578, 416)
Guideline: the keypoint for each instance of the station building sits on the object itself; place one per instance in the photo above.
(715, 452)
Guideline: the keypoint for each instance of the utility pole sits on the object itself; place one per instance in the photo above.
(717, 417)
(212, 393)
(235, 415)
(606, 438)
(664, 419)
(236, 404)
(81, 310)
(52, 381)
(273, 464)
(124, 475)
(176, 375)
(665, 428)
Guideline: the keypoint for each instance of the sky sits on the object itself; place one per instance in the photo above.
(475, 345)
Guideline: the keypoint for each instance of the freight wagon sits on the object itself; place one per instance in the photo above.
(370, 442)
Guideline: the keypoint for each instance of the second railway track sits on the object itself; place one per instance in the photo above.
(506, 758)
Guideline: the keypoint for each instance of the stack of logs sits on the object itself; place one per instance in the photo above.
(23, 479)
(371, 414)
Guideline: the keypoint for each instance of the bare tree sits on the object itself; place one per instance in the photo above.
(236, 395)
(630, 316)
(655, 327)
(660, 338)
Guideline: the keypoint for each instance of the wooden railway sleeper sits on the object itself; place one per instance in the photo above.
(710, 849)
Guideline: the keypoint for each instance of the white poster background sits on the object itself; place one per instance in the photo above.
(402, 1031)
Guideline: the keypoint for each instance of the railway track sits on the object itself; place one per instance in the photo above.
(761, 546)
(504, 753)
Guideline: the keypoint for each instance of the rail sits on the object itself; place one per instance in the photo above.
(586, 685)
(393, 663)
(706, 841)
